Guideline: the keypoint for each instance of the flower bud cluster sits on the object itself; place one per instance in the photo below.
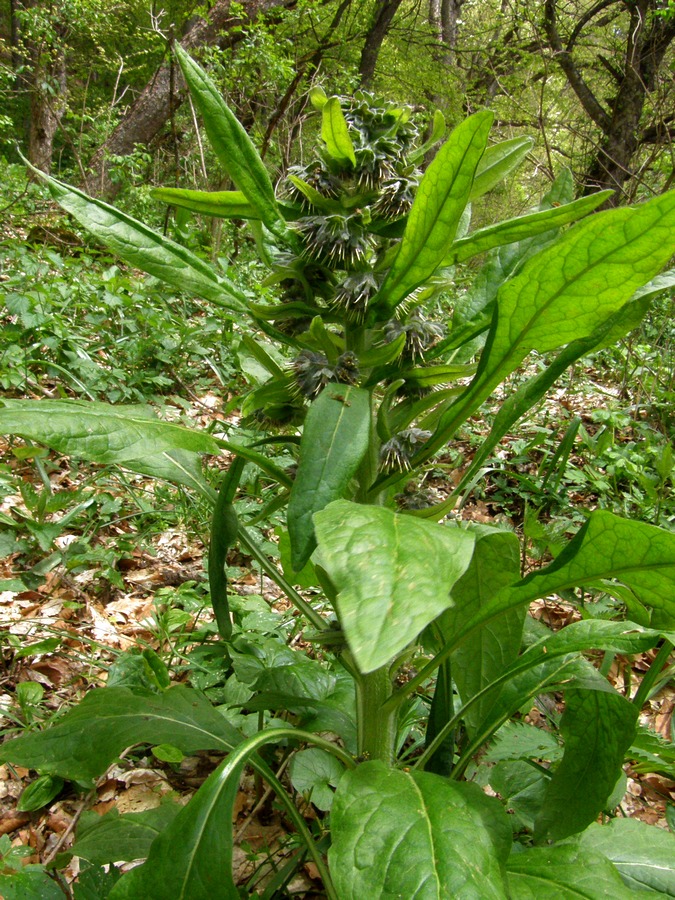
(313, 372)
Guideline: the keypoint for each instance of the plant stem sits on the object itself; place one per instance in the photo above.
(376, 727)
(270, 569)
(649, 680)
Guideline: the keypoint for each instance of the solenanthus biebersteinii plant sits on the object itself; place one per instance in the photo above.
(361, 246)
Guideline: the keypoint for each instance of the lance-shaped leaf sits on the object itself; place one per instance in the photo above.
(487, 653)
(553, 662)
(562, 873)
(223, 204)
(316, 198)
(643, 855)
(89, 737)
(522, 227)
(565, 293)
(334, 441)
(531, 391)
(598, 727)
(432, 222)
(414, 834)
(335, 133)
(393, 575)
(146, 249)
(128, 436)
(638, 555)
(181, 864)
(192, 858)
(497, 162)
(232, 145)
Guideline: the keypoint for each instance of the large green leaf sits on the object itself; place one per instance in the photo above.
(498, 161)
(31, 883)
(127, 436)
(146, 249)
(415, 836)
(334, 441)
(598, 727)
(643, 854)
(191, 859)
(85, 740)
(112, 837)
(432, 222)
(394, 574)
(522, 227)
(232, 145)
(483, 656)
(638, 555)
(565, 293)
(223, 204)
(564, 873)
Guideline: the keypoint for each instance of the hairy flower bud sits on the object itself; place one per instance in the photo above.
(420, 334)
(353, 294)
(313, 371)
(396, 454)
(339, 240)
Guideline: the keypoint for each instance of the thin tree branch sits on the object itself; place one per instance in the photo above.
(564, 59)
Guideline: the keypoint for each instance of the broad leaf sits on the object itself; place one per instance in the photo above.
(433, 220)
(334, 441)
(521, 787)
(112, 837)
(485, 655)
(415, 835)
(643, 855)
(497, 162)
(638, 555)
(316, 774)
(522, 227)
(232, 145)
(563, 873)
(191, 859)
(565, 293)
(89, 737)
(146, 249)
(31, 883)
(335, 133)
(223, 204)
(126, 436)
(393, 574)
(598, 727)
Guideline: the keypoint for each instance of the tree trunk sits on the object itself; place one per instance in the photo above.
(166, 91)
(40, 67)
(47, 106)
(385, 11)
(444, 18)
(619, 119)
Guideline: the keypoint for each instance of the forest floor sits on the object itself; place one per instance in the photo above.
(65, 633)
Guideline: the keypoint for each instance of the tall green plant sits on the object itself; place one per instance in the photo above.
(361, 245)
